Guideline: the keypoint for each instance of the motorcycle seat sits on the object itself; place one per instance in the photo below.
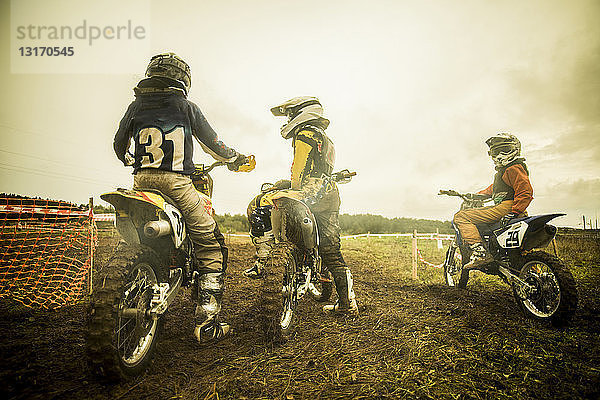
(488, 229)
(164, 196)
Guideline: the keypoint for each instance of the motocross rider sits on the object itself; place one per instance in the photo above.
(162, 121)
(511, 192)
(314, 157)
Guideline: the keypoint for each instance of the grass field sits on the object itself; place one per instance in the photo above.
(413, 339)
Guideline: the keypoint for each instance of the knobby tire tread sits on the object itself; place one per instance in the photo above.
(271, 299)
(464, 274)
(102, 315)
(568, 288)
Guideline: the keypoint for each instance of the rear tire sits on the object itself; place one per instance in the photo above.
(278, 303)
(121, 346)
(555, 297)
(454, 274)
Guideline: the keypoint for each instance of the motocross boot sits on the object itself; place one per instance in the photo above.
(479, 257)
(210, 294)
(263, 246)
(344, 286)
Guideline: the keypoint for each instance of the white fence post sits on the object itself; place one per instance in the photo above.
(92, 222)
(414, 255)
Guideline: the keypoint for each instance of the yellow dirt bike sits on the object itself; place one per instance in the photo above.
(149, 267)
(294, 266)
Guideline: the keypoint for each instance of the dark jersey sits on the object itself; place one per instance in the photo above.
(162, 125)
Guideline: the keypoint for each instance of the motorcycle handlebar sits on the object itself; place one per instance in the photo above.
(466, 196)
(210, 167)
(343, 176)
(130, 160)
(450, 193)
(248, 161)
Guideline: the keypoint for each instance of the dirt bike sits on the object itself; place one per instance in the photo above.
(542, 284)
(152, 263)
(294, 266)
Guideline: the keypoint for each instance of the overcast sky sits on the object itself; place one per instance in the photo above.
(412, 89)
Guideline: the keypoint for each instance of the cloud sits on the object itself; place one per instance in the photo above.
(574, 197)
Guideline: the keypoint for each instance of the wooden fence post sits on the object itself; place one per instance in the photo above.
(554, 246)
(414, 255)
(439, 239)
(91, 243)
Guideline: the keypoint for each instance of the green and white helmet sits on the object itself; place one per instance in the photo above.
(299, 111)
(171, 66)
(504, 148)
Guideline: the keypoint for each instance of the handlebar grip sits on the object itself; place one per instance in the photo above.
(449, 192)
(248, 164)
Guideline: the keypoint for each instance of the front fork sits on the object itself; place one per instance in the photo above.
(451, 266)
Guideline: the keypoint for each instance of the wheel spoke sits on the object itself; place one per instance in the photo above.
(124, 325)
(132, 333)
(126, 340)
(546, 298)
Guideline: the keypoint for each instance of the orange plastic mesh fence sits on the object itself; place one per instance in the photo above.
(46, 249)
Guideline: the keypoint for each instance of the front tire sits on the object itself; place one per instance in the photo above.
(554, 297)
(454, 274)
(122, 345)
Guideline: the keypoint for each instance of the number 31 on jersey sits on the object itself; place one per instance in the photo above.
(153, 140)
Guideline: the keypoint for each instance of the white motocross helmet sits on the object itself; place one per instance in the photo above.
(300, 110)
(504, 148)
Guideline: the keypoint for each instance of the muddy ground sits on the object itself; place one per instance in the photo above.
(413, 339)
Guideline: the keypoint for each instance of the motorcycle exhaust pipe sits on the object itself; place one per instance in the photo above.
(154, 229)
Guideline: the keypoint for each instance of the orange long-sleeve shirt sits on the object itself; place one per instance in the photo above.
(516, 177)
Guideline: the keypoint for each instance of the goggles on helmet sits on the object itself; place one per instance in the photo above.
(504, 148)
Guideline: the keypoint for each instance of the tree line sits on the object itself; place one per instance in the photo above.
(353, 224)
(363, 223)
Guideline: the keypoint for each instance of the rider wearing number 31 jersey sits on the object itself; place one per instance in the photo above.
(162, 121)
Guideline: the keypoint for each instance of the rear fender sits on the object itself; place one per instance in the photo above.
(540, 234)
(300, 225)
(269, 198)
(527, 233)
(135, 208)
(539, 221)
